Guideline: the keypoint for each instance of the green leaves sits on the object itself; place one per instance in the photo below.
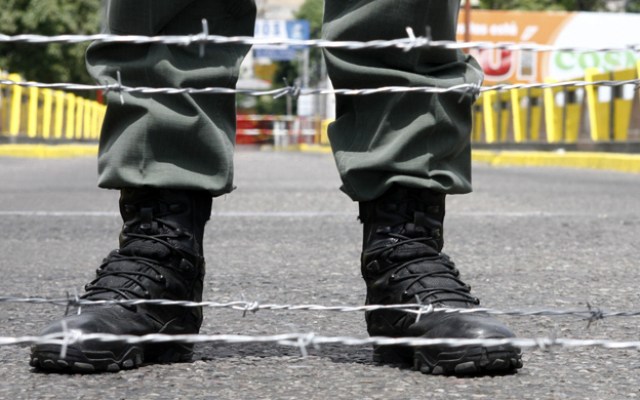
(53, 62)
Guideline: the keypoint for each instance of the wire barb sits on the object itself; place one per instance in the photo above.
(119, 87)
(253, 307)
(203, 37)
(596, 315)
(412, 40)
(422, 309)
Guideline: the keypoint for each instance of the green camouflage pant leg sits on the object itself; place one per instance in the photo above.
(411, 139)
(163, 140)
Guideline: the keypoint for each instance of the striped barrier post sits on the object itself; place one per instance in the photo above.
(32, 112)
(526, 108)
(70, 125)
(563, 113)
(477, 121)
(58, 114)
(609, 108)
(15, 106)
(47, 113)
(496, 116)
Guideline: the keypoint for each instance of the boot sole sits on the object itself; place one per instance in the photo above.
(465, 361)
(47, 358)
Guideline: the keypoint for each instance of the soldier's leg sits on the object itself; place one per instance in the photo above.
(168, 155)
(399, 155)
(170, 140)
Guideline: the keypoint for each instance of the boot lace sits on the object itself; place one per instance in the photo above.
(428, 275)
(122, 274)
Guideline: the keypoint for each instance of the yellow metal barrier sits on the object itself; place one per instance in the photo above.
(477, 121)
(79, 117)
(563, 113)
(4, 106)
(609, 108)
(495, 106)
(47, 114)
(32, 113)
(71, 112)
(526, 108)
(58, 115)
(324, 129)
(15, 106)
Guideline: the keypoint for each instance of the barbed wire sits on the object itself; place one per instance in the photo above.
(410, 42)
(406, 43)
(590, 313)
(303, 341)
(295, 91)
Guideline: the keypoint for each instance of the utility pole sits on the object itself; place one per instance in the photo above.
(467, 21)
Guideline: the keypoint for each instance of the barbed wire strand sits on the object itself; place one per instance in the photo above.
(410, 42)
(70, 337)
(589, 313)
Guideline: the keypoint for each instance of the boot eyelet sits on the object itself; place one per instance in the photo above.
(373, 266)
(186, 266)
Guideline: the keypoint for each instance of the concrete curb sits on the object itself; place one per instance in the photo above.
(590, 160)
(48, 151)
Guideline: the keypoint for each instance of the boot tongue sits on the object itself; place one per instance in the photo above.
(133, 243)
(146, 248)
(426, 246)
(412, 250)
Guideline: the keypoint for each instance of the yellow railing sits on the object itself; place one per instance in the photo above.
(552, 115)
(46, 114)
(517, 115)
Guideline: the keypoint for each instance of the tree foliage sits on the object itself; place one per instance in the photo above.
(48, 62)
(632, 6)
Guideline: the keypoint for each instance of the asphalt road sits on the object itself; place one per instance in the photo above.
(526, 238)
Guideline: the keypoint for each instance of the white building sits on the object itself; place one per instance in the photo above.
(278, 9)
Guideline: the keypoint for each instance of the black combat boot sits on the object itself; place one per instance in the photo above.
(402, 263)
(160, 257)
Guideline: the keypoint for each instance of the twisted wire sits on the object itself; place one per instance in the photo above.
(305, 340)
(589, 313)
(407, 43)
